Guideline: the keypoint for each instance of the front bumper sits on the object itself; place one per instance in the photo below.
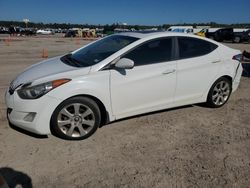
(40, 111)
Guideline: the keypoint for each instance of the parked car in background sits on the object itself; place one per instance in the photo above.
(71, 33)
(59, 30)
(242, 36)
(27, 31)
(4, 30)
(202, 33)
(220, 35)
(181, 29)
(45, 32)
(13, 30)
(119, 76)
(197, 30)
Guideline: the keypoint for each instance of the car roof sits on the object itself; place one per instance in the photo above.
(145, 34)
(156, 34)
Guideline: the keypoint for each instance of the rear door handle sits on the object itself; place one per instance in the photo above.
(216, 61)
(169, 71)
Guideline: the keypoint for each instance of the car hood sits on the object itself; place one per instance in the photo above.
(47, 70)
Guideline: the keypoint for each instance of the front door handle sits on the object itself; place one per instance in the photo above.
(169, 71)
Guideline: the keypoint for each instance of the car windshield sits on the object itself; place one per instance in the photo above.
(98, 51)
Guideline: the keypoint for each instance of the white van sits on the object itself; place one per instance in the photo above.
(181, 29)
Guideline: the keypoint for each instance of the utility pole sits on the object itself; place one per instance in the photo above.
(26, 21)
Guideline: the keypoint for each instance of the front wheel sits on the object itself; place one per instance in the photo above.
(219, 93)
(76, 118)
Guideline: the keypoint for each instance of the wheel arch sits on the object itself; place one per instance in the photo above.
(103, 110)
(227, 77)
(209, 100)
(104, 113)
(224, 76)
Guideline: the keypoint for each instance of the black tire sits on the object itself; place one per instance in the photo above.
(84, 101)
(237, 39)
(210, 102)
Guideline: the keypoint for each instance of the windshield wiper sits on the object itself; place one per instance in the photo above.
(70, 61)
(77, 63)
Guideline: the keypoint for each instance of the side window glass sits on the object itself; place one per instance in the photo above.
(192, 47)
(156, 51)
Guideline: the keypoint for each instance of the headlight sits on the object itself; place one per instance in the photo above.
(34, 92)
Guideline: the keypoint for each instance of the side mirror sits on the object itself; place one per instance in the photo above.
(124, 63)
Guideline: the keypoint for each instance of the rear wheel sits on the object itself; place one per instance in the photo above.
(219, 93)
(76, 118)
(237, 39)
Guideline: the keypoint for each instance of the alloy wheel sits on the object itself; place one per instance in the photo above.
(76, 120)
(221, 93)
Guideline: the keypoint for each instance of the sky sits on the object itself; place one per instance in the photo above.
(141, 12)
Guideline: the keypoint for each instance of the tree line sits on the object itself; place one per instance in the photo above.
(111, 27)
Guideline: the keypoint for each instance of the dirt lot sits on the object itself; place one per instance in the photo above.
(192, 146)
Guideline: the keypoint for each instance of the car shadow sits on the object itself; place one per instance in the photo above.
(246, 70)
(151, 113)
(10, 178)
(27, 132)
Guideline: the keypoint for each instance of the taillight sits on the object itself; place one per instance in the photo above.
(238, 57)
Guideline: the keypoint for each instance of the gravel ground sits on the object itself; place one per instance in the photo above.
(191, 146)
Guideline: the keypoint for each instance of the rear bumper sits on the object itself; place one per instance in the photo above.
(31, 115)
(237, 77)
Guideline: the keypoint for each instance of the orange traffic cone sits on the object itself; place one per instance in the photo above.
(45, 53)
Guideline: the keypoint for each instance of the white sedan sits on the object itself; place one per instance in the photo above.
(119, 76)
(44, 32)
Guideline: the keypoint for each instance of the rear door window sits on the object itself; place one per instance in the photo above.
(192, 47)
